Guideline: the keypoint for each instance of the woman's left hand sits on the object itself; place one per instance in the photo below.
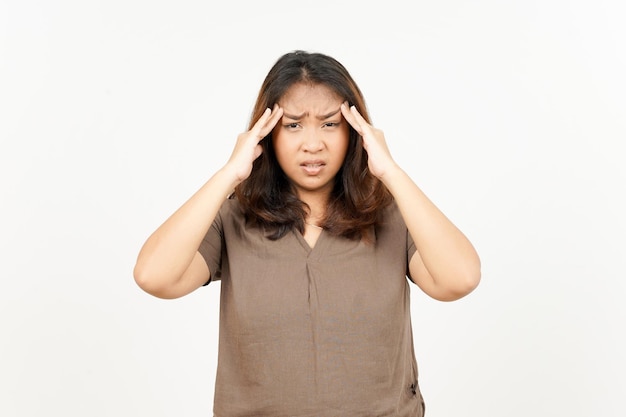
(379, 158)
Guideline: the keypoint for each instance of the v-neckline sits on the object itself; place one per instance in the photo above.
(305, 245)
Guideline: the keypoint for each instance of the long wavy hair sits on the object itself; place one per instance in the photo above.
(267, 196)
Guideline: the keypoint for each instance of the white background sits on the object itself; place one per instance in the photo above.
(508, 114)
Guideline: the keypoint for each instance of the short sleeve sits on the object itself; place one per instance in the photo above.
(398, 240)
(410, 251)
(212, 246)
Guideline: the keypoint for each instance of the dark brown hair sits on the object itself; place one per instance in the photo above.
(267, 196)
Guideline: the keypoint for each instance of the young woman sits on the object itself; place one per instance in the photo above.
(315, 233)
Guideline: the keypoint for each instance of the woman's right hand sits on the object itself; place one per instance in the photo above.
(248, 147)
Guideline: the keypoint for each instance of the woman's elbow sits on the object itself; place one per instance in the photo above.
(469, 282)
(463, 285)
(150, 282)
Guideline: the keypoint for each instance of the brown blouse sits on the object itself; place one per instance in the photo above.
(322, 331)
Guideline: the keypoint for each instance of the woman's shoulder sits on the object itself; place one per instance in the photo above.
(231, 207)
(391, 211)
(230, 213)
(391, 218)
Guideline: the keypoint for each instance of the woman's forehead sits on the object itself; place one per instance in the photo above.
(310, 99)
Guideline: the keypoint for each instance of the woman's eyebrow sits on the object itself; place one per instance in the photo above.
(320, 117)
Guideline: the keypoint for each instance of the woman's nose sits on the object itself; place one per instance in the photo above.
(313, 142)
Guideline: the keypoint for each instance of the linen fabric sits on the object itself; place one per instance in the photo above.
(312, 332)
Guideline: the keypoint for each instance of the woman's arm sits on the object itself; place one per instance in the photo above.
(446, 265)
(169, 264)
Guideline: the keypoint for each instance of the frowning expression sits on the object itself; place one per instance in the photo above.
(311, 139)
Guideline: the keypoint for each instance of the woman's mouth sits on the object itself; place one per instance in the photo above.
(313, 167)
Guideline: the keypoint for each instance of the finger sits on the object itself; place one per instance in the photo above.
(352, 120)
(362, 122)
(256, 128)
(359, 123)
(277, 114)
(267, 121)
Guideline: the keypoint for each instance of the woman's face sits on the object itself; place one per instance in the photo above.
(311, 139)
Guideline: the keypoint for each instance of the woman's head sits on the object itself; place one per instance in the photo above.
(310, 68)
(268, 195)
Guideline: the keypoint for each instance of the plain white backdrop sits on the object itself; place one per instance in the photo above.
(508, 114)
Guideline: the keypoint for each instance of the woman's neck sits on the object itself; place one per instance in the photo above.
(317, 203)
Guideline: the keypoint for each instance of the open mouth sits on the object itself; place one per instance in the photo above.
(313, 167)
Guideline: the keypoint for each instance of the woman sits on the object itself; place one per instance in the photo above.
(313, 248)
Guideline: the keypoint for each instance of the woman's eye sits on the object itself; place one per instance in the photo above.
(331, 124)
(291, 125)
